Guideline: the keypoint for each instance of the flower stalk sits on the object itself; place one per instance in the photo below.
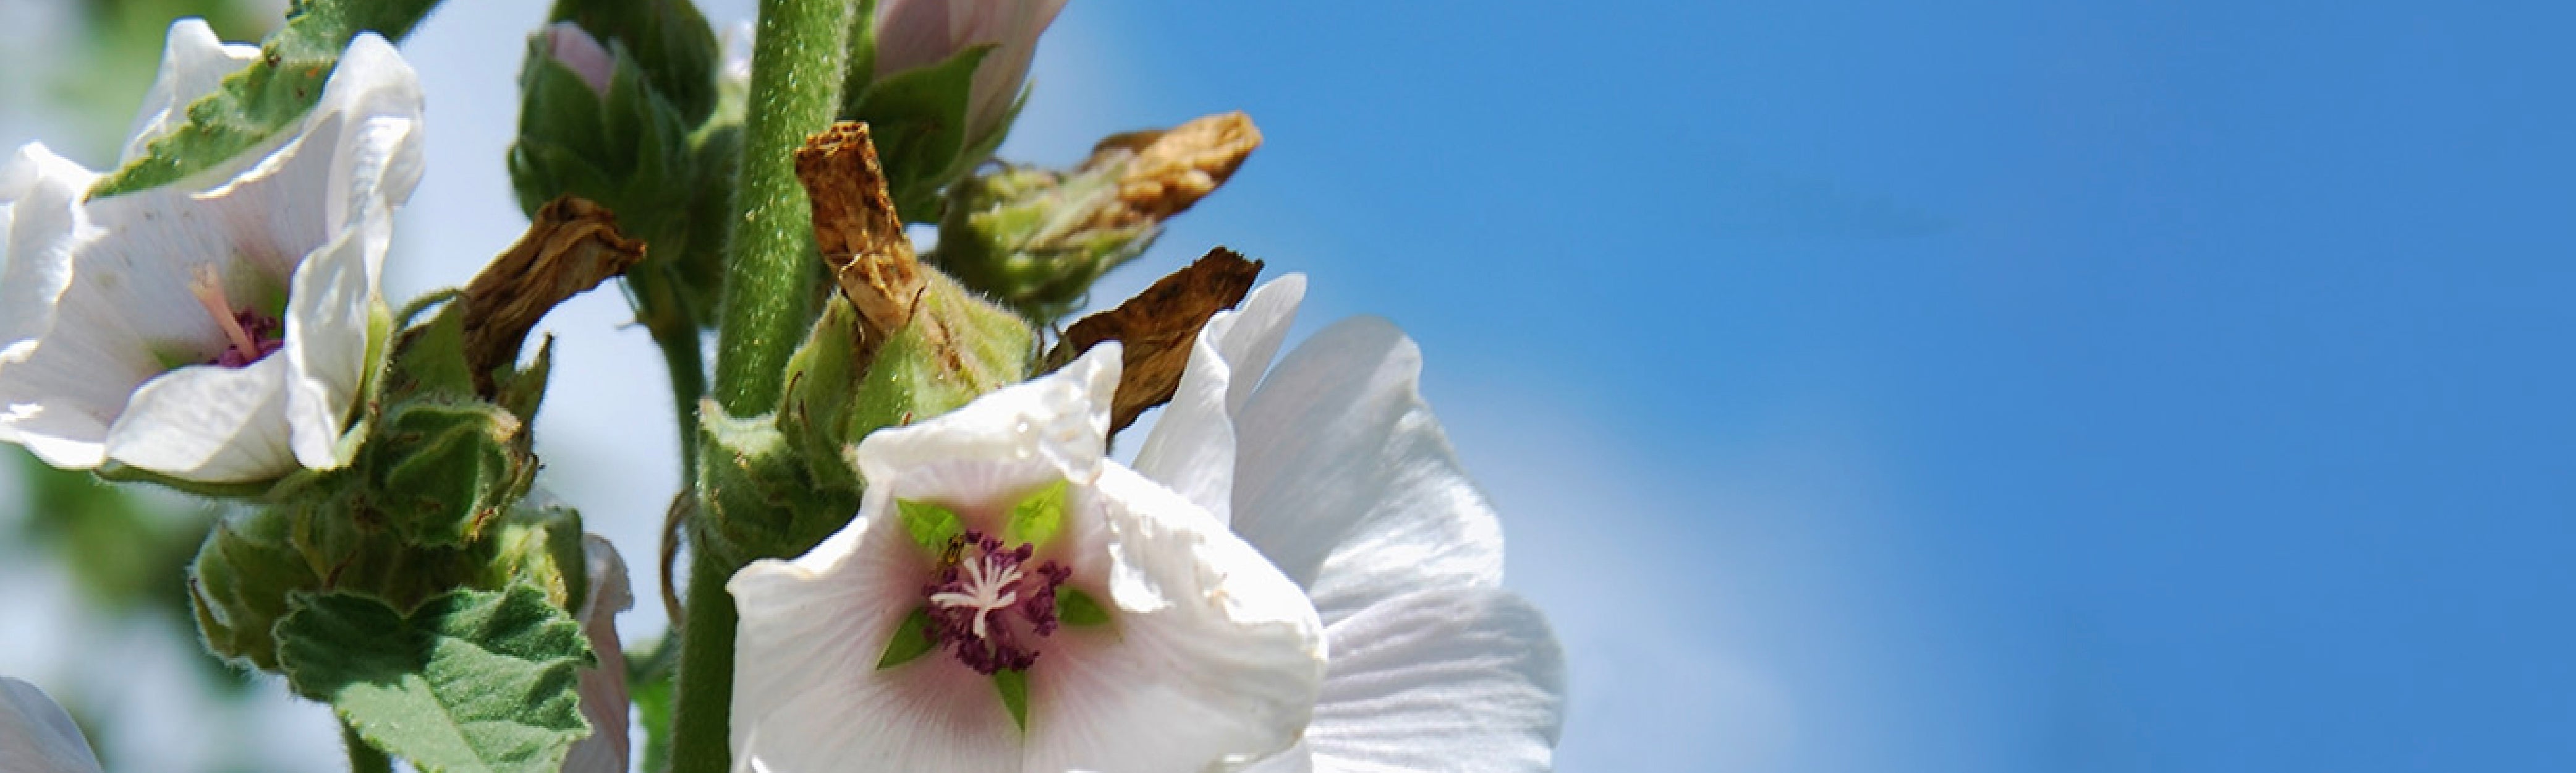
(769, 296)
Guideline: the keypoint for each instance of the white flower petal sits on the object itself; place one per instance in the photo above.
(1192, 447)
(193, 63)
(36, 736)
(1214, 662)
(206, 423)
(1349, 484)
(604, 698)
(328, 320)
(1213, 657)
(99, 300)
(1061, 419)
(1457, 679)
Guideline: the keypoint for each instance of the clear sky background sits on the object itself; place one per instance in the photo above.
(2006, 386)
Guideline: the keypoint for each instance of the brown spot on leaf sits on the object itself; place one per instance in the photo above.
(1156, 328)
(571, 247)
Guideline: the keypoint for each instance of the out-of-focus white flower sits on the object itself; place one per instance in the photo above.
(603, 690)
(36, 736)
(999, 552)
(1333, 466)
(918, 33)
(577, 51)
(216, 329)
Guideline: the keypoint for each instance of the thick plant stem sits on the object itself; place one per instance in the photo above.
(699, 736)
(771, 279)
(364, 758)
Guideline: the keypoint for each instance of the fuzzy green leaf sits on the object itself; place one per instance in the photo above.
(269, 96)
(470, 682)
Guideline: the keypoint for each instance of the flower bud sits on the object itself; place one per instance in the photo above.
(578, 51)
(1036, 239)
(920, 33)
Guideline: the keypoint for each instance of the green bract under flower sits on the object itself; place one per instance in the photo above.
(218, 329)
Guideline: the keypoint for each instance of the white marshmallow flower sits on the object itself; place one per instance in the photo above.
(217, 329)
(36, 736)
(1334, 467)
(1008, 599)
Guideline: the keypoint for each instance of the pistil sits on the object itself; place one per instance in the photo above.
(248, 335)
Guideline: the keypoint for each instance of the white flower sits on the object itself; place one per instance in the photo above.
(216, 329)
(604, 699)
(36, 736)
(996, 545)
(919, 33)
(1334, 467)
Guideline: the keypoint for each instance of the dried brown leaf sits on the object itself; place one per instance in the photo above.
(570, 247)
(1168, 170)
(1157, 327)
(857, 228)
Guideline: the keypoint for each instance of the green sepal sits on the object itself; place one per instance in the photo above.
(918, 118)
(1013, 685)
(467, 681)
(629, 150)
(269, 96)
(914, 378)
(930, 526)
(1037, 517)
(760, 498)
(911, 641)
(1024, 237)
(443, 470)
(429, 359)
(1076, 609)
(334, 537)
(833, 399)
(820, 375)
(670, 41)
(239, 584)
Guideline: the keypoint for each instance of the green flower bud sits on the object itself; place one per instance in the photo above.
(1037, 239)
(669, 39)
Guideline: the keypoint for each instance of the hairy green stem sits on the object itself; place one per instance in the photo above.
(770, 281)
(363, 758)
(771, 278)
(699, 734)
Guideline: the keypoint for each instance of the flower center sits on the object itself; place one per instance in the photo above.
(987, 601)
(248, 334)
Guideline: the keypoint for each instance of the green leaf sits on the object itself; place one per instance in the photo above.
(911, 641)
(1035, 520)
(931, 526)
(470, 682)
(918, 119)
(1077, 609)
(1013, 684)
(269, 96)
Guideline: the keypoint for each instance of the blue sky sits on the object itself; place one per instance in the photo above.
(1995, 386)
(2005, 386)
